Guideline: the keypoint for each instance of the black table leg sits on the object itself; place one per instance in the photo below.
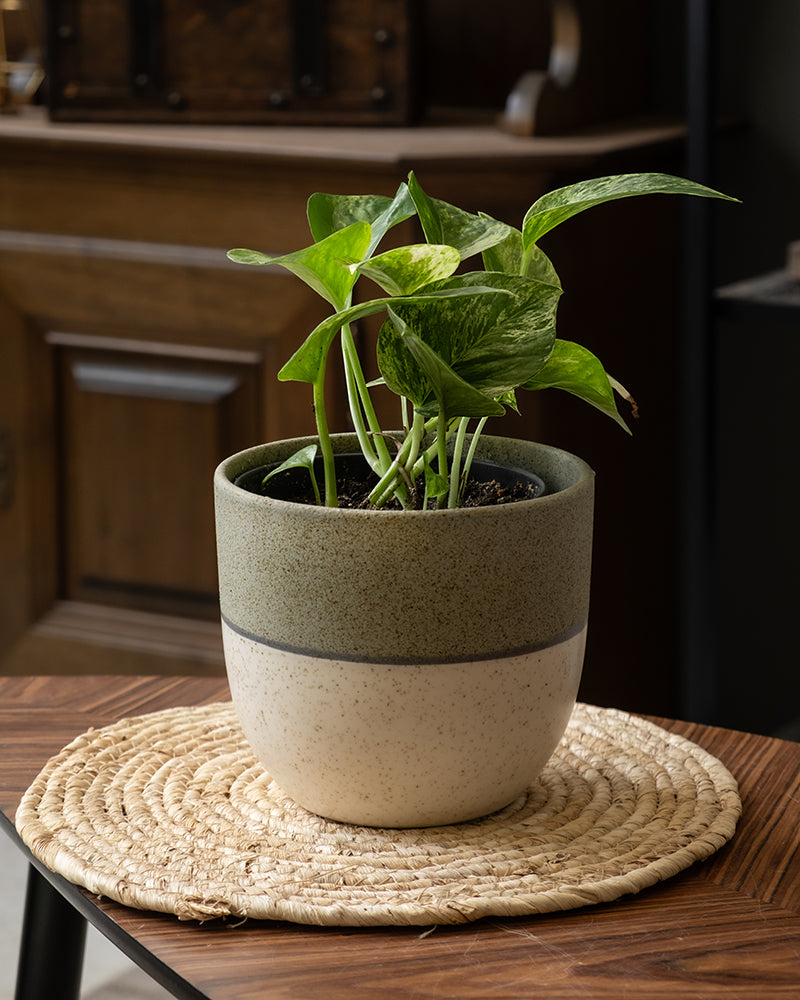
(51, 950)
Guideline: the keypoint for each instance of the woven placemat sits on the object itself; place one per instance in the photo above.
(171, 812)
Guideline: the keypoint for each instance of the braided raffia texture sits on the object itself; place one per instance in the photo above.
(171, 812)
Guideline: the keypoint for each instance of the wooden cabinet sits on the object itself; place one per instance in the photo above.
(134, 356)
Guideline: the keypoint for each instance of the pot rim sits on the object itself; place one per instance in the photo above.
(234, 465)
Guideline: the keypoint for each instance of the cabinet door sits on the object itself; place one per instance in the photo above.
(127, 373)
(140, 436)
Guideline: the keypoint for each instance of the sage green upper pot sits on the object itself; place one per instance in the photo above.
(408, 586)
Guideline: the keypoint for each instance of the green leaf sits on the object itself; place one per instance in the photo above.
(444, 223)
(576, 370)
(436, 486)
(508, 256)
(242, 256)
(307, 362)
(561, 204)
(407, 269)
(452, 396)
(539, 266)
(493, 342)
(327, 267)
(509, 399)
(302, 459)
(328, 213)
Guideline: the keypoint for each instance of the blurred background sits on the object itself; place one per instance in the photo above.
(139, 142)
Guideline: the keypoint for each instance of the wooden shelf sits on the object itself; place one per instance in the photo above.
(465, 146)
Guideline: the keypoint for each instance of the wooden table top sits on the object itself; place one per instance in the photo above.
(728, 927)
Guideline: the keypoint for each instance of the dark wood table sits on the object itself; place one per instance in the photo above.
(728, 927)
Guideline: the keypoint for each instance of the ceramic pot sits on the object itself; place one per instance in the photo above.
(411, 668)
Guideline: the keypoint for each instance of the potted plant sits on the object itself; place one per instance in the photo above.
(400, 653)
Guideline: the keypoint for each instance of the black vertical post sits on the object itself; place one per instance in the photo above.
(695, 599)
(307, 20)
(52, 946)
(145, 22)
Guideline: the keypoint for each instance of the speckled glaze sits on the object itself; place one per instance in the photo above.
(384, 744)
(405, 668)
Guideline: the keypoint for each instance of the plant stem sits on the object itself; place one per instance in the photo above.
(390, 483)
(474, 444)
(456, 479)
(404, 412)
(441, 448)
(315, 487)
(410, 457)
(361, 407)
(431, 451)
(356, 411)
(414, 441)
(401, 471)
(325, 444)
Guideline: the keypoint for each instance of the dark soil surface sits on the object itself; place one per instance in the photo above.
(354, 495)
(354, 492)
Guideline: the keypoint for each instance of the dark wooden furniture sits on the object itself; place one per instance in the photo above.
(727, 927)
(764, 547)
(134, 356)
(301, 62)
(347, 62)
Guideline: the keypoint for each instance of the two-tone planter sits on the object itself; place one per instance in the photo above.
(405, 668)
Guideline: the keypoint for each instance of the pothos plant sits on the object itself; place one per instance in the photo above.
(457, 348)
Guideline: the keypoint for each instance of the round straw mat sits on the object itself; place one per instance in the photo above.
(171, 812)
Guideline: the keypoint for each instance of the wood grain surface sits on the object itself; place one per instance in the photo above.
(728, 927)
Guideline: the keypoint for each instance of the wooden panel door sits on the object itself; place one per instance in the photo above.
(141, 434)
(127, 372)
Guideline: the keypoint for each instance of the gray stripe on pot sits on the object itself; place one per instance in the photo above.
(533, 647)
